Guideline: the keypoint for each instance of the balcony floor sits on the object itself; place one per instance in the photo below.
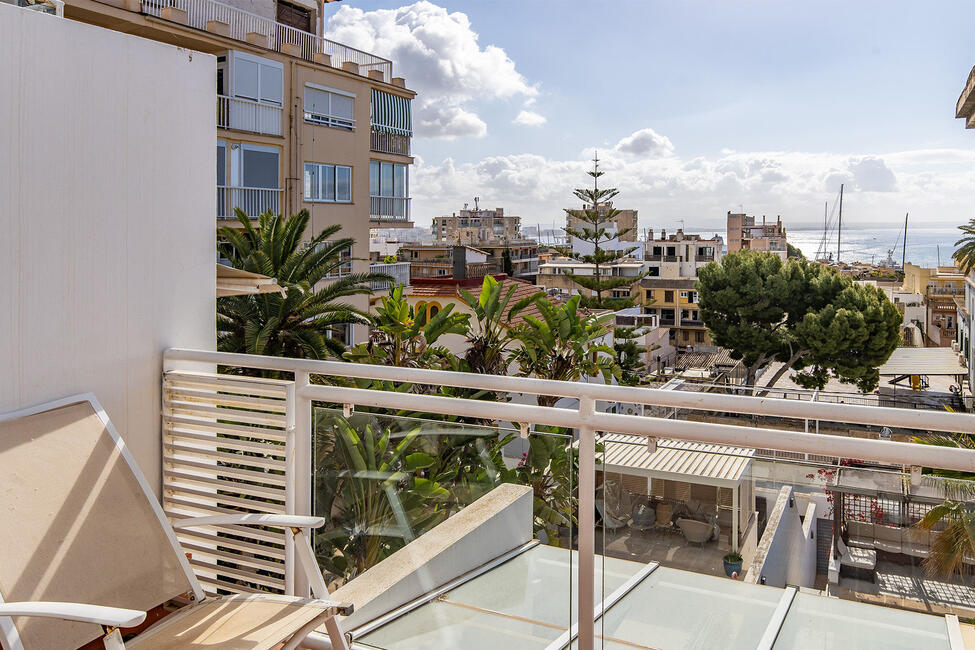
(907, 586)
(670, 549)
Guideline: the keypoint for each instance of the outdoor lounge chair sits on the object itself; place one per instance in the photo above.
(87, 549)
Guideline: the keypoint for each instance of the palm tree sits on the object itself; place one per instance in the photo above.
(965, 253)
(299, 321)
(954, 547)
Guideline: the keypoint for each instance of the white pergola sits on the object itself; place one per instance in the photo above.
(682, 461)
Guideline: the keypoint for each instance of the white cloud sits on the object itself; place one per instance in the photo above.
(529, 118)
(933, 184)
(439, 55)
(645, 143)
(450, 122)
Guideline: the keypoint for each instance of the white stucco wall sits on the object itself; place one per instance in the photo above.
(786, 553)
(107, 170)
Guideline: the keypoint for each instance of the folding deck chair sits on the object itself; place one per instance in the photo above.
(87, 549)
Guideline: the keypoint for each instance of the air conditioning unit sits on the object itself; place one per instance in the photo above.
(954, 346)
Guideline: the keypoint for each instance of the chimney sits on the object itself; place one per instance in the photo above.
(459, 258)
(663, 233)
(650, 235)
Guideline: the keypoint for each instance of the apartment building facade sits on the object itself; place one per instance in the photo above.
(942, 287)
(493, 232)
(745, 234)
(554, 276)
(476, 227)
(436, 261)
(679, 255)
(674, 302)
(303, 122)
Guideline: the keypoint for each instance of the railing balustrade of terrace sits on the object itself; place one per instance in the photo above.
(239, 443)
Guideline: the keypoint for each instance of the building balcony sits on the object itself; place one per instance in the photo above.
(247, 27)
(254, 201)
(704, 258)
(392, 143)
(400, 271)
(246, 115)
(389, 209)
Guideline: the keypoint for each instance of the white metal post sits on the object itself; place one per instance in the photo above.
(735, 514)
(302, 477)
(289, 488)
(587, 523)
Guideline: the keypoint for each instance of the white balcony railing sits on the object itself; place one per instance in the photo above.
(254, 201)
(400, 271)
(279, 37)
(248, 115)
(388, 208)
(292, 413)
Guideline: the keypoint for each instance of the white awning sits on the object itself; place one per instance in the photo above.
(923, 361)
(238, 282)
(675, 460)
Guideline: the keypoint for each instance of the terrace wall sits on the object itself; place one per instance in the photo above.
(786, 554)
(107, 170)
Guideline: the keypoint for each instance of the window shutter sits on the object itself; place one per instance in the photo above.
(245, 78)
(272, 84)
(342, 106)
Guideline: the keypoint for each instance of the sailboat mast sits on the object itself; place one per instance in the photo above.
(839, 228)
(904, 253)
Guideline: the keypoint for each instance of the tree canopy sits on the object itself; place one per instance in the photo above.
(964, 255)
(592, 227)
(805, 315)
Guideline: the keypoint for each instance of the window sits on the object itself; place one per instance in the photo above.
(329, 107)
(346, 267)
(699, 337)
(683, 295)
(668, 296)
(328, 183)
(649, 294)
(258, 79)
(653, 271)
(388, 179)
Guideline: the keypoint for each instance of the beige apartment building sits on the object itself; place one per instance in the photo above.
(943, 288)
(679, 255)
(476, 227)
(303, 122)
(745, 234)
(552, 275)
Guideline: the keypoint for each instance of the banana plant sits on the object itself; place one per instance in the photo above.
(563, 345)
(488, 338)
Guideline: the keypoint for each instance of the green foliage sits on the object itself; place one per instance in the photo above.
(794, 252)
(390, 259)
(381, 485)
(563, 345)
(406, 338)
(298, 323)
(507, 267)
(964, 254)
(488, 339)
(627, 353)
(806, 315)
(592, 228)
(953, 545)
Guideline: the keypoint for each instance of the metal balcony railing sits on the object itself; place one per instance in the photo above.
(247, 444)
(254, 201)
(399, 270)
(393, 143)
(388, 208)
(279, 37)
(247, 115)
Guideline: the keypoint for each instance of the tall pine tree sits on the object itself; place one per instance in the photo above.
(591, 225)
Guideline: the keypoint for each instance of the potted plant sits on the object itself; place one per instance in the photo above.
(732, 564)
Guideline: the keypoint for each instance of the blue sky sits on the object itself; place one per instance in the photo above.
(697, 107)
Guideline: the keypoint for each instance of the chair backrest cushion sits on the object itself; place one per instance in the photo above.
(76, 524)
